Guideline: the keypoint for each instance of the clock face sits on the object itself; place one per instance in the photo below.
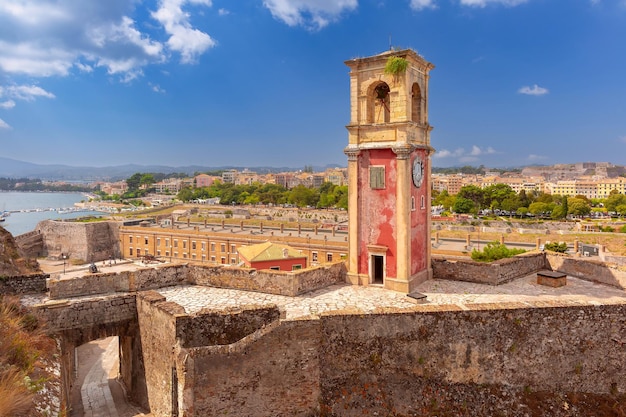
(418, 172)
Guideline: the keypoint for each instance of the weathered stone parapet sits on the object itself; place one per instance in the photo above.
(290, 283)
(589, 270)
(493, 273)
(83, 313)
(23, 284)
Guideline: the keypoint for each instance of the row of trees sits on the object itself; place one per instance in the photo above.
(502, 198)
(327, 195)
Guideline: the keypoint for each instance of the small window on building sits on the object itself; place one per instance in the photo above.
(412, 203)
(193, 245)
(314, 256)
(223, 247)
(158, 252)
(175, 243)
(203, 246)
(275, 268)
(145, 240)
(138, 251)
(212, 258)
(329, 257)
(377, 177)
(212, 247)
(203, 257)
(223, 260)
(233, 261)
(193, 256)
(130, 239)
(167, 253)
(175, 254)
(184, 244)
(296, 267)
(233, 249)
(167, 243)
(130, 251)
(422, 203)
(343, 256)
(158, 241)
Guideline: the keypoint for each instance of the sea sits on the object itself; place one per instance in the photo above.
(23, 210)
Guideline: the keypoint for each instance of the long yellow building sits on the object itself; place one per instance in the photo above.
(219, 243)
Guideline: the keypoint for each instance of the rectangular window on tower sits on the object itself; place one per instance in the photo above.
(377, 177)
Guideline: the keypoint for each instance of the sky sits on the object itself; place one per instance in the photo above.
(263, 82)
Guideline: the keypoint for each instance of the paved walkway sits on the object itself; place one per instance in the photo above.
(373, 298)
(95, 392)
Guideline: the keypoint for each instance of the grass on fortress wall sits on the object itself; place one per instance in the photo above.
(22, 343)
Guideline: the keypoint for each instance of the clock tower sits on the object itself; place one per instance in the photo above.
(389, 162)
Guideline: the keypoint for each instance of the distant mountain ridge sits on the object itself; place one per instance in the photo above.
(11, 168)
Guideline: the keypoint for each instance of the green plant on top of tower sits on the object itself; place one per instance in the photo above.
(396, 65)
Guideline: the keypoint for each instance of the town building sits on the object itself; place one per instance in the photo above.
(268, 255)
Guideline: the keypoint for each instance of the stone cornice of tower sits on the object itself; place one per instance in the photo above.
(409, 54)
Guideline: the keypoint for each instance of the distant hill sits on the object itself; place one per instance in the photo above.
(11, 168)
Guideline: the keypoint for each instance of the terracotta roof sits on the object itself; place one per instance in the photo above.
(268, 251)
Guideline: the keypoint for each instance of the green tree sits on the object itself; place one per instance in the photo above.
(134, 181)
(615, 199)
(578, 207)
(474, 193)
(463, 205)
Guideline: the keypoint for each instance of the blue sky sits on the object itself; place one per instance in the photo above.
(263, 83)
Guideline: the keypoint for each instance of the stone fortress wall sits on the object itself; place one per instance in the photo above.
(510, 358)
(86, 242)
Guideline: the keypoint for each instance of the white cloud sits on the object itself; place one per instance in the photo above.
(535, 90)
(185, 39)
(476, 151)
(484, 3)
(312, 14)
(156, 88)
(9, 104)
(423, 4)
(25, 92)
(462, 156)
(223, 12)
(55, 38)
(4, 125)
(444, 153)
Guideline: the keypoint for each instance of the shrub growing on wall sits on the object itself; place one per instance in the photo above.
(556, 247)
(494, 251)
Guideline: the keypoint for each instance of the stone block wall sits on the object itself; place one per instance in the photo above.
(88, 242)
(23, 284)
(83, 313)
(505, 359)
(272, 282)
(223, 327)
(157, 332)
(494, 273)
(589, 270)
(495, 360)
(273, 372)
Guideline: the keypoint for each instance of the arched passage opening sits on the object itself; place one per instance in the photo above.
(102, 367)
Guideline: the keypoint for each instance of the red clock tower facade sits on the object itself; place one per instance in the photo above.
(389, 162)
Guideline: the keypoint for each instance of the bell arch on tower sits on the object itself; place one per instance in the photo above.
(416, 103)
(378, 103)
